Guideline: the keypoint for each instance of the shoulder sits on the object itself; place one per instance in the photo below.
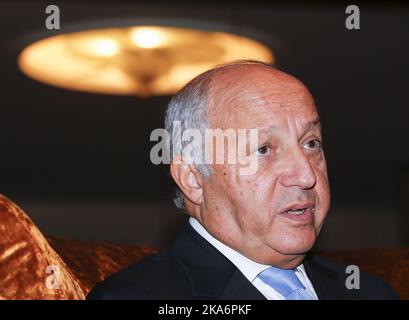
(156, 277)
(366, 286)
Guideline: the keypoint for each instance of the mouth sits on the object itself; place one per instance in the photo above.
(300, 212)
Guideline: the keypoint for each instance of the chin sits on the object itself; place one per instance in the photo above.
(296, 245)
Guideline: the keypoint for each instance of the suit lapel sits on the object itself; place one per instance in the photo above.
(240, 288)
(210, 274)
(324, 280)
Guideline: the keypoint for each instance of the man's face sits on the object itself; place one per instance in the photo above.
(260, 215)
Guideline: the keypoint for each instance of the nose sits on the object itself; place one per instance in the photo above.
(297, 170)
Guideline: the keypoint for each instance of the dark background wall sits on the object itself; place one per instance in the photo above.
(79, 165)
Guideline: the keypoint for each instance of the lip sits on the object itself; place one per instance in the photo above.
(299, 205)
(305, 217)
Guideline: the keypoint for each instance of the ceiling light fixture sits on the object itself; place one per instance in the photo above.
(135, 60)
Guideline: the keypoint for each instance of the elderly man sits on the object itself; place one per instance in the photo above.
(248, 235)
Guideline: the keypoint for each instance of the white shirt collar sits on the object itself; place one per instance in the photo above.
(248, 267)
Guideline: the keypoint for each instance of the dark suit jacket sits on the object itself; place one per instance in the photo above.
(194, 269)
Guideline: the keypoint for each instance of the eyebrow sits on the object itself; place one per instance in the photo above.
(308, 126)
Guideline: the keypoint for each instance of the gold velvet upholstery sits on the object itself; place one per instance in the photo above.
(28, 260)
(25, 255)
(28, 264)
(93, 262)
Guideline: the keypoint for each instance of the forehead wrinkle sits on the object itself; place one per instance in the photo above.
(315, 122)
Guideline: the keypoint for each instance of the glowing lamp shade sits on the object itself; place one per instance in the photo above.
(140, 60)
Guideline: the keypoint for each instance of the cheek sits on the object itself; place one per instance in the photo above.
(221, 191)
(248, 187)
(231, 200)
(322, 185)
(323, 197)
(322, 180)
(254, 199)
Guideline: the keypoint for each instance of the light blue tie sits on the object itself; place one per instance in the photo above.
(286, 282)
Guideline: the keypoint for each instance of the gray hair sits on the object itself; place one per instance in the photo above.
(190, 107)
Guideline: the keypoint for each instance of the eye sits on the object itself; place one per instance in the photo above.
(262, 151)
(313, 145)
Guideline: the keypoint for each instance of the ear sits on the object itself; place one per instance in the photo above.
(188, 178)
